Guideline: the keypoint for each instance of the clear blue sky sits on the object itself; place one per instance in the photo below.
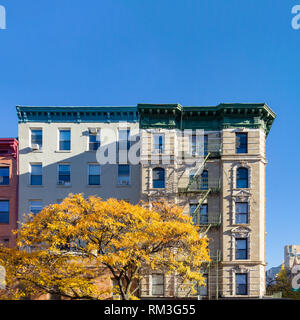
(194, 52)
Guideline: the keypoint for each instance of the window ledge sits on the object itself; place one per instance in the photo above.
(63, 151)
(93, 185)
(123, 185)
(35, 186)
(63, 186)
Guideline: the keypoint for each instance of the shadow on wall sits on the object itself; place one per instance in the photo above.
(55, 183)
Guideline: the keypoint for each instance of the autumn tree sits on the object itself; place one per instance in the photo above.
(283, 284)
(67, 247)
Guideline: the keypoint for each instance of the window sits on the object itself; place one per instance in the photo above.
(94, 174)
(158, 178)
(94, 139)
(241, 283)
(204, 180)
(124, 143)
(4, 176)
(204, 214)
(193, 207)
(64, 139)
(157, 284)
(205, 145)
(158, 143)
(64, 174)
(241, 246)
(123, 174)
(193, 143)
(4, 211)
(203, 290)
(36, 139)
(35, 206)
(36, 176)
(241, 142)
(241, 212)
(242, 178)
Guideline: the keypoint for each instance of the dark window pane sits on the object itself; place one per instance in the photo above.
(94, 180)
(204, 180)
(64, 174)
(36, 180)
(65, 140)
(241, 283)
(205, 145)
(242, 178)
(36, 207)
(193, 207)
(4, 211)
(123, 174)
(241, 143)
(94, 141)
(241, 249)
(64, 145)
(4, 176)
(241, 212)
(158, 178)
(204, 214)
(37, 137)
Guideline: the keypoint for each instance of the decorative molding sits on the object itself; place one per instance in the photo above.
(240, 232)
(76, 114)
(210, 118)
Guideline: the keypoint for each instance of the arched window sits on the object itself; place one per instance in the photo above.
(242, 178)
(158, 177)
(204, 180)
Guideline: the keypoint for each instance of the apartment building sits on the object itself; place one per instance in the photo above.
(224, 191)
(8, 190)
(209, 160)
(58, 154)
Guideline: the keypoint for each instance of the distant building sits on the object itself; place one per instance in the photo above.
(8, 190)
(291, 255)
(271, 275)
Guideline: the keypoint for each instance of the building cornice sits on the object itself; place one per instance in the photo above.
(222, 116)
(76, 114)
(10, 144)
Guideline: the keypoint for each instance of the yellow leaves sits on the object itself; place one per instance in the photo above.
(76, 241)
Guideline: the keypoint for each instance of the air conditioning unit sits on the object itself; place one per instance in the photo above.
(93, 131)
(35, 146)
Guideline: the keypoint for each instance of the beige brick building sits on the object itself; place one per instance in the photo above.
(224, 190)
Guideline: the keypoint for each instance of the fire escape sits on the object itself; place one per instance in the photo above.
(200, 185)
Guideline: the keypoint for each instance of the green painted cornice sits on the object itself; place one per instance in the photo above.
(76, 114)
(224, 115)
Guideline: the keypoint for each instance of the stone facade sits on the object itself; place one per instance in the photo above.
(233, 272)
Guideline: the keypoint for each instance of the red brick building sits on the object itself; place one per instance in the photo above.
(9, 179)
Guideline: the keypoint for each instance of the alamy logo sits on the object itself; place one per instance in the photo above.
(2, 18)
(296, 18)
(296, 277)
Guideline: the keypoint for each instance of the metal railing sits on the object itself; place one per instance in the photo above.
(199, 185)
